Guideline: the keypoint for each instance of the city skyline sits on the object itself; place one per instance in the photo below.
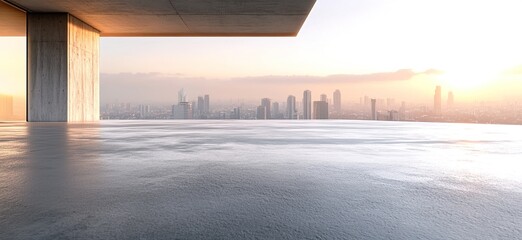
(322, 107)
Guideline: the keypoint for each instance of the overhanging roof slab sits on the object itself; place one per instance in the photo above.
(182, 17)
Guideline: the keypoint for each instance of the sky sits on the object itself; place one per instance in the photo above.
(469, 47)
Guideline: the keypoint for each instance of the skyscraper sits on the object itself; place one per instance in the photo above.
(324, 97)
(182, 111)
(181, 96)
(275, 110)
(320, 110)
(201, 106)
(236, 114)
(451, 100)
(265, 102)
(307, 104)
(144, 110)
(206, 110)
(261, 113)
(374, 109)
(291, 112)
(337, 101)
(394, 115)
(402, 111)
(437, 108)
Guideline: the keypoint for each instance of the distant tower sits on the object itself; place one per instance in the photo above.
(291, 108)
(181, 96)
(265, 102)
(402, 111)
(236, 114)
(261, 113)
(437, 107)
(307, 104)
(275, 110)
(337, 101)
(320, 110)
(374, 109)
(394, 116)
(144, 110)
(451, 100)
(201, 106)
(182, 111)
(324, 98)
(206, 109)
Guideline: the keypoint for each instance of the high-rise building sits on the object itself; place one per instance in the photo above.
(261, 113)
(206, 109)
(266, 102)
(307, 104)
(275, 110)
(181, 96)
(201, 106)
(402, 111)
(182, 111)
(374, 109)
(6, 107)
(324, 98)
(236, 114)
(144, 110)
(451, 100)
(437, 106)
(291, 110)
(394, 115)
(337, 101)
(320, 110)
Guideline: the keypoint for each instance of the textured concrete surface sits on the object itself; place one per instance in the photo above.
(83, 72)
(47, 67)
(63, 72)
(183, 17)
(260, 180)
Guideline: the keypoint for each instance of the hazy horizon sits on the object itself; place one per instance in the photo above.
(403, 84)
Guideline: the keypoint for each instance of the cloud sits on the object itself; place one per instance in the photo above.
(160, 87)
(399, 75)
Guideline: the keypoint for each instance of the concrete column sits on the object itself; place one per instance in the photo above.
(62, 69)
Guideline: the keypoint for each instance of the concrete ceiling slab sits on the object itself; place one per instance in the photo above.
(116, 7)
(12, 21)
(265, 24)
(155, 25)
(242, 7)
(182, 17)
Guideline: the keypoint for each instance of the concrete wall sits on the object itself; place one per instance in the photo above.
(47, 67)
(62, 69)
(84, 77)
